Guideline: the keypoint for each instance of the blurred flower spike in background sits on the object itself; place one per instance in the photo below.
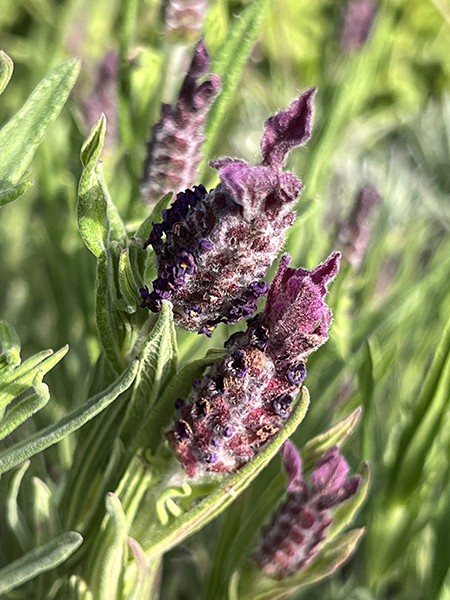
(300, 524)
(174, 152)
(244, 400)
(213, 248)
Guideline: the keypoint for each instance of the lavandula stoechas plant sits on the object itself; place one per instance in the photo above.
(243, 401)
(301, 523)
(174, 152)
(213, 248)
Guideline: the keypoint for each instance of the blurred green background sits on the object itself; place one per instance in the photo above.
(382, 119)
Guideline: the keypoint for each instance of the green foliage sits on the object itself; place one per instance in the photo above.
(107, 478)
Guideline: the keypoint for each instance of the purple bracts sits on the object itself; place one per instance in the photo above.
(213, 248)
(300, 524)
(234, 410)
(174, 153)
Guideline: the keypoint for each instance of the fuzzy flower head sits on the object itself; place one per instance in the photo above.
(301, 523)
(213, 248)
(174, 152)
(236, 408)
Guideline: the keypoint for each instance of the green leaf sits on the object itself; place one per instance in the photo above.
(6, 70)
(160, 538)
(39, 560)
(336, 436)
(92, 205)
(41, 440)
(157, 366)
(26, 408)
(14, 517)
(330, 557)
(20, 137)
(426, 422)
(9, 195)
(9, 346)
(18, 381)
(127, 283)
(228, 64)
(112, 566)
(78, 589)
(145, 584)
(45, 515)
(143, 233)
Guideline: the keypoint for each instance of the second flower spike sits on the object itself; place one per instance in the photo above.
(213, 248)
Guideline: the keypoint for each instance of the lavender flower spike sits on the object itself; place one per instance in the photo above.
(300, 524)
(214, 248)
(174, 153)
(236, 408)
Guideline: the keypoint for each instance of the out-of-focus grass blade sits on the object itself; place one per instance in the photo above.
(39, 560)
(417, 439)
(41, 440)
(367, 386)
(6, 70)
(228, 64)
(160, 539)
(21, 136)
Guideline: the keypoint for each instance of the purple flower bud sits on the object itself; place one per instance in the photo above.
(358, 20)
(104, 98)
(227, 238)
(174, 153)
(300, 524)
(245, 399)
(184, 18)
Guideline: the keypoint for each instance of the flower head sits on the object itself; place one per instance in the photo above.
(174, 153)
(184, 18)
(213, 248)
(301, 523)
(236, 408)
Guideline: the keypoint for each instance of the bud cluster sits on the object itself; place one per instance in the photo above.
(244, 399)
(213, 248)
(301, 523)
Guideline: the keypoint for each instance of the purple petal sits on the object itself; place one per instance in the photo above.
(292, 464)
(287, 129)
(329, 473)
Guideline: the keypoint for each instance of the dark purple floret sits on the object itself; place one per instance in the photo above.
(235, 364)
(296, 373)
(179, 403)
(281, 404)
(301, 523)
(213, 248)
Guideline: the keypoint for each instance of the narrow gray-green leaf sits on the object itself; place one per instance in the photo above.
(127, 283)
(145, 584)
(6, 70)
(21, 136)
(45, 515)
(22, 378)
(229, 63)
(111, 574)
(78, 589)
(13, 515)
(162, 538)
(39, 560)
(157, 366)
(26, 408)
(9, 195)
(41, 440)
(336, 435)
(104, 312)
(9, 345)
(92, 205)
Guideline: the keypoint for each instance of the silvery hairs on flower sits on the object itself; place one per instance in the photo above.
(235, 409)
(213, 248)
(174, 152)
(300, 524)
